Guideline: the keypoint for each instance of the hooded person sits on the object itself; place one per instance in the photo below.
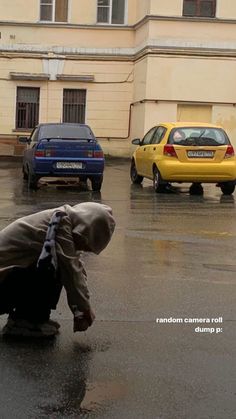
(40, 254)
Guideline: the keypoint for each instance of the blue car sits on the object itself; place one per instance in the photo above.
(63, 150)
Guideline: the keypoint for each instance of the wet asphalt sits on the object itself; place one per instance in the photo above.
(172, 257)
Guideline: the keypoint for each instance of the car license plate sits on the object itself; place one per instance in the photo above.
(200, 153)
(69, 165)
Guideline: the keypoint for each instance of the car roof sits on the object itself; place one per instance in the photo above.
(189, 124)
(45, 124)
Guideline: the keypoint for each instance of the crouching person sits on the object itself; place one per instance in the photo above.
(40, 254)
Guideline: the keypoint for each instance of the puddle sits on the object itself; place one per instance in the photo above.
(100, 394)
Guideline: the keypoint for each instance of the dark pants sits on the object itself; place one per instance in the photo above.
(30, 294)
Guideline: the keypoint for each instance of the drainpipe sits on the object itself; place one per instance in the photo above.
(129, 126)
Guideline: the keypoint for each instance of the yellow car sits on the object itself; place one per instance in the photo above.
(185, 152)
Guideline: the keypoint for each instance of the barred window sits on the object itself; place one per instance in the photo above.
(74, 102)
(27, 107)
(54, 10)
(200, 8)
(111, 11)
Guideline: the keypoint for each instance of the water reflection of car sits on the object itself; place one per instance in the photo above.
(185, 152)
(63, 150)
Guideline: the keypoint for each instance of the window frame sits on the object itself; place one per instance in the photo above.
(110, 15)
(64, 105)
(54, 13)
(160, 137)
(153, 130)
(26, 128)
(198, 4)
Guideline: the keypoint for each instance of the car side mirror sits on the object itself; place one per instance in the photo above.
(24, 140)
(136, 141)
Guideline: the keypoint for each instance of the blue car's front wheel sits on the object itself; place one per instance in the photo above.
(32, 180)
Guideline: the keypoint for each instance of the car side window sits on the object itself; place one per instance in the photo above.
(34, 138)
(148, 137)
(159, 134)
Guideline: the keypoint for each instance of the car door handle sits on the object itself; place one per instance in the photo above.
(144, 149)
(154, 148)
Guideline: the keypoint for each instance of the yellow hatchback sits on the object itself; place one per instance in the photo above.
(185, 152)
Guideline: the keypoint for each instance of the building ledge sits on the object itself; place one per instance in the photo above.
(82, 78)
(29, 76)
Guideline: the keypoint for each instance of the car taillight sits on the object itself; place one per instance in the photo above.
(47, 152)
(98, 154)
(39, 153)
(169, 150)
(229, 152)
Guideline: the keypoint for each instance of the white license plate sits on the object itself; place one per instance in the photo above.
(200, 153)
(69, 165)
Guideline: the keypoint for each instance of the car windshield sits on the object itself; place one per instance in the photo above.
(198, 136)
(81, 132)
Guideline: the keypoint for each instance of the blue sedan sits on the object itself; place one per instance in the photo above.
(63, 150)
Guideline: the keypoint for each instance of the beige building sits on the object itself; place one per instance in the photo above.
(120, 66)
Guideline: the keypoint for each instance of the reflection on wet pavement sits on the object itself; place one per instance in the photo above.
(172, 255)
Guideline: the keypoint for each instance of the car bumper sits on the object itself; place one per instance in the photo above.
(198, 172)
(48, 167)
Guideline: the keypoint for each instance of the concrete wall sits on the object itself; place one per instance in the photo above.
(191, 79)
(225, 9)
(166, 8)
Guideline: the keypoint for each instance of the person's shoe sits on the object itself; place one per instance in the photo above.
(24, 328)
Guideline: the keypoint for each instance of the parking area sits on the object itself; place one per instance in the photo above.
(163, 343)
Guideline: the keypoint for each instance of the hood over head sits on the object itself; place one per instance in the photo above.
(92, 226)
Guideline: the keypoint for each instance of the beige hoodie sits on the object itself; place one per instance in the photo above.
(87, 226)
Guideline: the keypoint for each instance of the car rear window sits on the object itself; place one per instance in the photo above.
(198, 136)
(76, 132)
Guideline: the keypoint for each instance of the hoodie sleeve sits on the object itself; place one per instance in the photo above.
(73, 274)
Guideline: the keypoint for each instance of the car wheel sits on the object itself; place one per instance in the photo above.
(158, 184)
(135, 177)
(32, 181)
(196, 189)
(96, 183)
(227, 188)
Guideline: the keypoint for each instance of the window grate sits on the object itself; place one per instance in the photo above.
(74, 102)
(27, 107)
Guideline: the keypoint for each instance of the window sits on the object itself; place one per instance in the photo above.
(54, 10)
(148, 137)
(74, 101)
(159, 134)
(111, 11)
(27, 107)
(201, 8)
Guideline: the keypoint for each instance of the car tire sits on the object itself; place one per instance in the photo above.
(227, 188)
(96, 183)
(196, 189)
(134, 176)
(158, 184)
(32, 181)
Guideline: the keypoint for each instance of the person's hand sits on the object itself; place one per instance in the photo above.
(89, 315)
(83, 320)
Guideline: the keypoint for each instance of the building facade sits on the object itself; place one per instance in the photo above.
(120, 66)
